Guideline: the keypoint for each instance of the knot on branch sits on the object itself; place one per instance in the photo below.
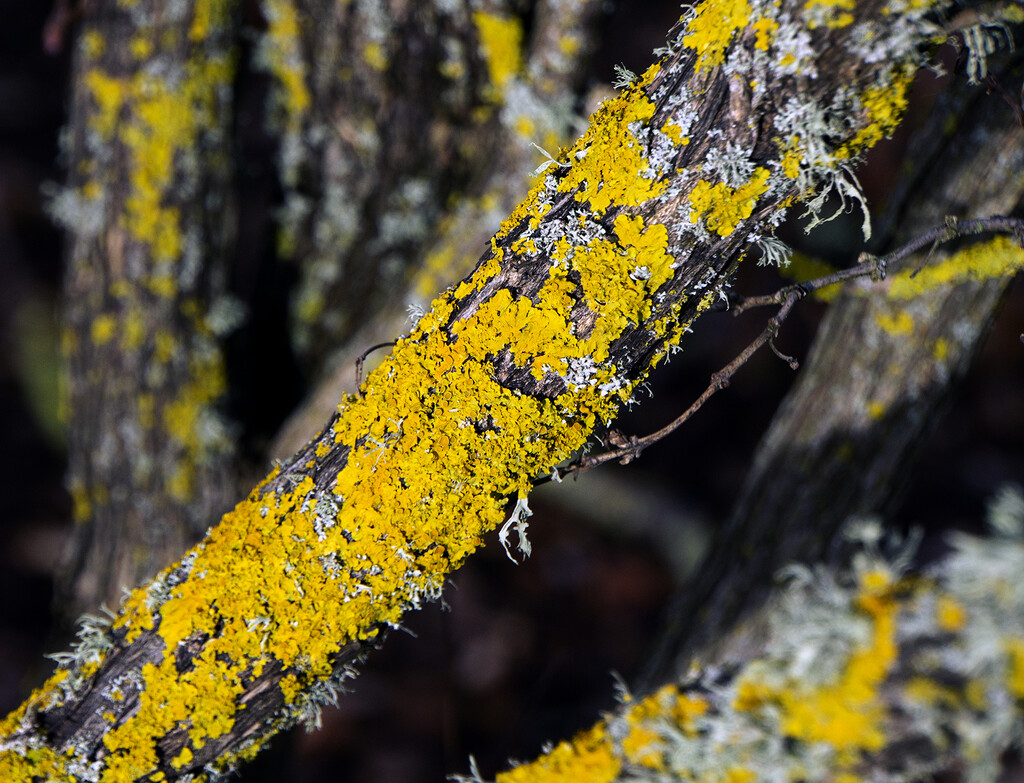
(628, 447)
(878, 266)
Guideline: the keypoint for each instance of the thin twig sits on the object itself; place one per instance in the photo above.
(362, 358)
(1017, 104)
(628, 448)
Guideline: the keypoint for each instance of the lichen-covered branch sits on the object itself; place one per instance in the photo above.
(884, 365)
(873, 674)
(146, 210)
(586, 286)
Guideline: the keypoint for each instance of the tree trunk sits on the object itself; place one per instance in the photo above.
(149, 213)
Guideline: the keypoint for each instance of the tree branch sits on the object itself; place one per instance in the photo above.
(869, 675)
(631, 447)
(606, 263)
(886, 361)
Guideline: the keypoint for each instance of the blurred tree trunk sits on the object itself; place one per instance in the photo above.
(149, 216)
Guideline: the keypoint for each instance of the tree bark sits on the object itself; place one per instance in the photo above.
(884, 366)
(629, 237)
(387, 116)
(149, 215)
(863, 675)
(470, 170)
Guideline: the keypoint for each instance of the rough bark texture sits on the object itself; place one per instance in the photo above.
(589, 282)
(884, 364)
(473, 141)
(390, 113)
(861, 676)
(149, 215)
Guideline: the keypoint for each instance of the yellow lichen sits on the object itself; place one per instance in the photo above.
(1015, 666)
(846, 713)
(950, 614)
(609, 164)
(711, 31)
(738, 775)
(588, 757)
(208, 16)
(675, 133)
(803, 267)
(831, 13)
(157, 121)
(283, 50)
(998, 257)
(884, 104)
(93, 44)
(109, 94)
(501, 40)
(765, 28)
(102, 329)
(182, 418)
(722, 207)
(898, 324)
(182, 758)
(375, 56)
(926, 691)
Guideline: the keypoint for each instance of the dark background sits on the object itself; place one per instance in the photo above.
(522, 654)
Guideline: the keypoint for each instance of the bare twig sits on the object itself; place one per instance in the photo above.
(362, 358)
(1017, 104)
(628, 448)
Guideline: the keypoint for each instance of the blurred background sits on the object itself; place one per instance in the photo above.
(519, 654)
